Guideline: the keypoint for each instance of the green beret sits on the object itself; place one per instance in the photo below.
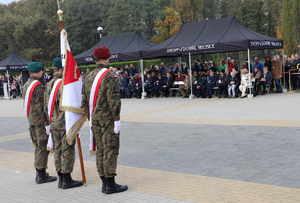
(35, 67)
(57, 63)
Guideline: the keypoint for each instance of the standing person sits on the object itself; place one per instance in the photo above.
(101, 101)
(37, 118)
(277, 73)
(64, 154)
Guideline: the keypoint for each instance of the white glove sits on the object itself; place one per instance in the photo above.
(48, 130)
(117, 127)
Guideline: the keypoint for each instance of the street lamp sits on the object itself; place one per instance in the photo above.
(100, 31)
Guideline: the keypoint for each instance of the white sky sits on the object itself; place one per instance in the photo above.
(6, 1)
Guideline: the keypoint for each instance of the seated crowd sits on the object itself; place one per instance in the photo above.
(208, 79)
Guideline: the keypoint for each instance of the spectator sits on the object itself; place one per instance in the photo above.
(245, 81)
(222, 85)
(257, 76)
(222, 67)
(124, 85)
(167, 84)
(268, 63)
(277, 73)
(258, 65)
(266, 80)
(232, 84)
(231, 65)
(211, 83)
(201, 84)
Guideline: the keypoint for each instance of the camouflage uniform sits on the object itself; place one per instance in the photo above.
(64, 154)
(106, 112)
(37, 121)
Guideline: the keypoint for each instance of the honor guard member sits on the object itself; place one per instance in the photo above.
(37, 118)
(102, 103)
(64, 154)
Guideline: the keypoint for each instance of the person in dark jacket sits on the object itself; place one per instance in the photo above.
(200, 87)
(222, 84)
(167, 84)
(211, 83)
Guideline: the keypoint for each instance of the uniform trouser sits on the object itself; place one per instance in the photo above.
(64, 154)
(108, 144)
(39, 139)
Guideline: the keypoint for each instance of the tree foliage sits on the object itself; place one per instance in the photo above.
(30, 26)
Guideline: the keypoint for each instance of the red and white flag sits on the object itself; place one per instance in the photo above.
(72, 89)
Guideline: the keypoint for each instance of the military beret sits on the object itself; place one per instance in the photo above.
(101, 53)
(56, 62)
(35, 67)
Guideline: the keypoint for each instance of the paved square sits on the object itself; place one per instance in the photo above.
(176, 150)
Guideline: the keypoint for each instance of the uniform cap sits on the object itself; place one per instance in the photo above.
(56, 62)
(35, 67)
(101, 53)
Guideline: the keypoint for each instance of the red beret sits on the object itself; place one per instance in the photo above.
(101, 53)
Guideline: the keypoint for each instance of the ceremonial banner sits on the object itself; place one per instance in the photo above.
(72, 88)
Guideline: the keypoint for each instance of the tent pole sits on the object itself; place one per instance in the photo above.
(283, 70)
(191, 75)
(8, 84)
(250, 78)
(143, 79)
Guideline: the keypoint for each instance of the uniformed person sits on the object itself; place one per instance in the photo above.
(105, 121)
(33, 94)
(64, 154)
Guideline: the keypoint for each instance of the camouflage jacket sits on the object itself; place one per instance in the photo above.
(108, 103)
(58, 118)
(37, 115)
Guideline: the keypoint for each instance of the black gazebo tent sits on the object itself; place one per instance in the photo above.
(13, 62)
(124, 47)
(212, 36)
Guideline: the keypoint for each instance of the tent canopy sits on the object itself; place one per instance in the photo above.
(14, 62)
(212, 36)
(124, 47)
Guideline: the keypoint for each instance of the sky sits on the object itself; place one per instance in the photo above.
(6, 1)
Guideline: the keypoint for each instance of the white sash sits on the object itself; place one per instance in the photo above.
(51, 101)
(93, 100)
(28, 95)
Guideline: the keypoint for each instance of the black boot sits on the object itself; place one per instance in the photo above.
(104, 183)
(68, 182)
(113, 187)
(59, 174)
(43, 177)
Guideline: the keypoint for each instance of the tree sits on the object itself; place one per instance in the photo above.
(168, 26)
(290, 27)
(189, 10)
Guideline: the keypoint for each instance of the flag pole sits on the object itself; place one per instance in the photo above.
(81, 159)
(61, 27)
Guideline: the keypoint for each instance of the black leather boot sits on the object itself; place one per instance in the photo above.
(113, 187)
(68, 182)
(43, 177)
(59, 174)
(104, 183)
